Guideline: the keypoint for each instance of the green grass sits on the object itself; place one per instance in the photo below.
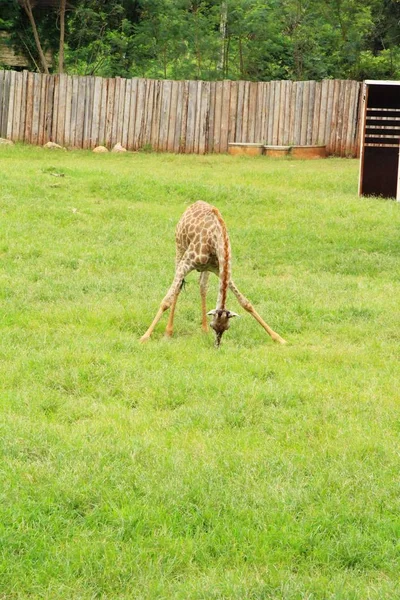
(172, 470)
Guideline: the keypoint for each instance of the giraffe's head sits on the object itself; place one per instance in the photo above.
(220, 322)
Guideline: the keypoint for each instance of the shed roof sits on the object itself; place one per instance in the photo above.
(381, 82)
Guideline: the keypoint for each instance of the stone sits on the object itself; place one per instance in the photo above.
(118, 148)
(100, 149)
(53, 146)
(6, 142)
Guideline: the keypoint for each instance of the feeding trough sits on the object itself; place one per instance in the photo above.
(276, 151)
(308, 152)
(246, 149)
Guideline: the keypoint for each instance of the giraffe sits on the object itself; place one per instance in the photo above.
(202, 244)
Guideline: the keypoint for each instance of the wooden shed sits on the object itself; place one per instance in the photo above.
(380, 140)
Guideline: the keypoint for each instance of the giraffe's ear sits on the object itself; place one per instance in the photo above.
(212, 312)
(232, 314)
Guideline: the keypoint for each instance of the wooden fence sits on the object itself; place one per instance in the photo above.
(178, 116)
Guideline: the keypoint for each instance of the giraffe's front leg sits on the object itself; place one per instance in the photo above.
(169, 330)
(249, 307)
(203, 293)
(171, 297)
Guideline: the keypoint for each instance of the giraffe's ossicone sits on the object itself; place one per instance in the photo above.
(202, 244)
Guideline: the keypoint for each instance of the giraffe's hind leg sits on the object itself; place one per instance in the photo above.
(203, 293)
(170, 299)
(250, 309)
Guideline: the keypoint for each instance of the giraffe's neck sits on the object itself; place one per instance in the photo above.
(224, 260)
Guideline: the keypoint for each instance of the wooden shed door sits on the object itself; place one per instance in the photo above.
(381, 142)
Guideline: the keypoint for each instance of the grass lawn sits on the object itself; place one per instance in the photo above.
(172, 470)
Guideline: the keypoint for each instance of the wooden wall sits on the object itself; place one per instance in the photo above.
(178, 116)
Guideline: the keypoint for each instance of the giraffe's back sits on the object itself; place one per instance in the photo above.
(199, 232)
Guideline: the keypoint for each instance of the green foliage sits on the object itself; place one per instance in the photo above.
(215, 39)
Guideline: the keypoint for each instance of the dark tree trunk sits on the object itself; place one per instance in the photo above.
(28, 9)
(62, 37)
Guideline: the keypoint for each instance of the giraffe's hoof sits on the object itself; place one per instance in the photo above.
(168, 334)
(144, 338)
(280, 340)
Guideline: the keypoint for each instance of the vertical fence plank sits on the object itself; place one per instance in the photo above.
(316, 114)
(288, 110)
(5, 103)
(178, 120)
(140, 114)
(89, 115)
(191, 116)
(329, 110)
(297, 111)
(89, 112)
(310, 114)
(226, 102)
(292, 117)
(150, 93)
(245, 119)
(74, 109)
(95, 125)
(206, 122)
(259, 114)
(54, 118)
(345, 117)
(275, 111)
(357, 115)
(239, 113)
(109, 113)
(323, 111)
(265, 119)
(334, 117)
(11, 96)
(271, 101)
(304, 112)
(351, 118)
(211, 117)
(17, 106)
(185, 104)
(132, 114)
(155, 126)
(340, 118)
(49, 109)
(2, 101)
(114, 114)
(103, 112)
(232, 111)
(36, 108)
(198, 116)
(59, 135)
(217, 116)
(120, 118)
(126, 112)
(80, 112)
(251, 112)
(68, 107)
(282, 112)
(42, 116)
(203, 111)
(165, 114)
(29, 108)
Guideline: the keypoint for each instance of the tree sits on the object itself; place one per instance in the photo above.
(27, 6)
(62, 37)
